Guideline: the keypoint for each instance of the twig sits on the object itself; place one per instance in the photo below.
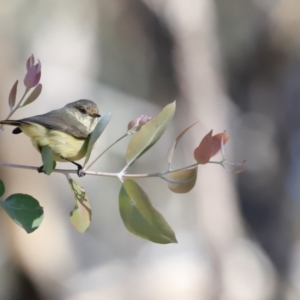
(119, 139)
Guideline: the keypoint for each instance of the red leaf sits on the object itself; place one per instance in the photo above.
(217, 143)
(202, 153)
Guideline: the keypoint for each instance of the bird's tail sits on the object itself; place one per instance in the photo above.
(17, 130)
(10, 122)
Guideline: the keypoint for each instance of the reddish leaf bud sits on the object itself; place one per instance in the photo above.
(33, 75)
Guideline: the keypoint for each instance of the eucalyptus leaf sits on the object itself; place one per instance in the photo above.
(173, 146)
(47, 157)
(81, 215)
(202, 153)
(140, 217)
(24, 210)
(218, 142)
(149, 134)
(34, 94)
(12, 95)
(2, 188)
(182, 181)
(96, 134)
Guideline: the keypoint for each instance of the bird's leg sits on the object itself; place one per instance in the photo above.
(79, 167)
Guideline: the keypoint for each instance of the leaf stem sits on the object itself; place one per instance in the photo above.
(217, 162)
(115, 142)
(17, 106)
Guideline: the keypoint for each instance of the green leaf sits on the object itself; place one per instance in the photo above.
(149, 134)
(173, 147)
(182, 181)
(34, 94)
(12, 95)
(81, 215)
(96, 134)
(140, 217)
(2, 188)
(24, 210)
(47, 157)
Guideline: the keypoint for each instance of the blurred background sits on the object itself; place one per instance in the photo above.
(231, 65)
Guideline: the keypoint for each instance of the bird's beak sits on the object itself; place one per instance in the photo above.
(95, 115)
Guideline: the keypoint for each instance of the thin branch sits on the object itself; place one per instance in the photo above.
(94, 173)
(3, 164)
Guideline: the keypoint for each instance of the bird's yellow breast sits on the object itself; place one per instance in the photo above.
(62, 144)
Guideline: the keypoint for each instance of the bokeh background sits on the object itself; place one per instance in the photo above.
(231, 65)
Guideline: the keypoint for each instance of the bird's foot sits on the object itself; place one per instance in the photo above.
(41, 169)
(80, 171)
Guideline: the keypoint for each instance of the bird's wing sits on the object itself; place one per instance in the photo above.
(51, 121)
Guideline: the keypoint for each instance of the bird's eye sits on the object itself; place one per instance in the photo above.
(82, 110)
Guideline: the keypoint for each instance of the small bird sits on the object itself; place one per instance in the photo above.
(66, 130)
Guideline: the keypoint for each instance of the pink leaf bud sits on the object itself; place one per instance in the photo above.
(30, 62)
(136, 124)
(33, 75)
